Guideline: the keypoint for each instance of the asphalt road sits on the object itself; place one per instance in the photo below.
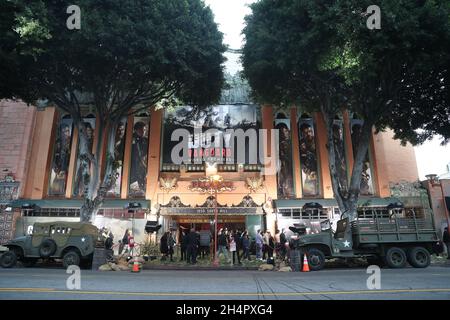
(432, 283)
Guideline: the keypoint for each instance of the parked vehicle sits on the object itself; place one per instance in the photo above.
(389, 236)
(73, 242)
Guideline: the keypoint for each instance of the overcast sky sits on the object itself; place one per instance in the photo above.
(229, 14)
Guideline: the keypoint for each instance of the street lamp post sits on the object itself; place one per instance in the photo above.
(216, 221)
(213, 184)
(433, 180)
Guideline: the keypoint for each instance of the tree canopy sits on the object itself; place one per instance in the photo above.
(320, 54)
(127, 56)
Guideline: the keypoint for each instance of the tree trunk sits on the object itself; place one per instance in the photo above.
(97, 192)
(358, 165)
(346, 196)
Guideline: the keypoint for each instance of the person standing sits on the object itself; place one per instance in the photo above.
(238, 238)
(246, 245)
(232, 244)
(170, 244)
(222, 245)
(131, 242)
(270, 245)
(283, 241)
(163, 245)
(192, 246)
(205, 241)
(259, 245)
(183, 246)
(266, 245)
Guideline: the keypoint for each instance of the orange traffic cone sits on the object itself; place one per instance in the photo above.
(305, 264)
(135, 266)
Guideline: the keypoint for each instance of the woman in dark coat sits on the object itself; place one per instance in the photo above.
(163, 246)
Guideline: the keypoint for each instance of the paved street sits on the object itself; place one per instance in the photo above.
(342, 284)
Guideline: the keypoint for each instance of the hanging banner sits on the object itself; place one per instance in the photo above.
(119, 151)
(339, 149)
(139, 150)
(61, 158)
(285, 180)
(78, 186)
(308, 157)
(210, 133)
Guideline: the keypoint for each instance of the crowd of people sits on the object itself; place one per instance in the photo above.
(234, 245)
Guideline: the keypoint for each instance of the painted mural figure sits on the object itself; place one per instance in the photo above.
(339, 150)
(79, 184)
(308, 159)
(61, 160)
(119, 149)
(285, 179)
(138, 174)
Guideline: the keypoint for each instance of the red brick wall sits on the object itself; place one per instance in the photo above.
(16, 127)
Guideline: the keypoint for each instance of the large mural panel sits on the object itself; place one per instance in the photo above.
(203, 146)
(61, 158)
(78, 186)
(285, 180)
(308, 157)
(119, 152)
(139, 152)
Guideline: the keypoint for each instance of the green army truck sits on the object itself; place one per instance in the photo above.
(73, 242)
(391, 236)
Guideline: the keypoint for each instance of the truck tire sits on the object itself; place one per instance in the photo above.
(395, 258)
(47, 248)
(419, 257)
(71, 258)
(316, 259)
(8, 259)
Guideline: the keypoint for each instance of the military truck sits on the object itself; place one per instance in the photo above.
(390, 236)
(73, 242)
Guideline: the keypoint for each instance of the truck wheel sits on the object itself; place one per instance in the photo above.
(395, 258)
(316, 259)
(71, 258)
(47, 248)
(8, 259)
(419, 257)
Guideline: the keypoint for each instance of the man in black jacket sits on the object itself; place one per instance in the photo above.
(238, 239)
(192, 243)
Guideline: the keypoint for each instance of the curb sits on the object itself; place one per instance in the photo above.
(199, 268)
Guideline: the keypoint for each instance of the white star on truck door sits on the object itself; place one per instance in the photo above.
(346, 244)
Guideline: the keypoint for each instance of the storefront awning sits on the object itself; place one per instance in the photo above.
(229, 211)
(76, 204)
(362, 202)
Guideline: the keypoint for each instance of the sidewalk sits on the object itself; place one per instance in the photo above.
(202, 264)
(197, 267)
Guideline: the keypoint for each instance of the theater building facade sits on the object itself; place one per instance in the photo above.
(40, 180)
